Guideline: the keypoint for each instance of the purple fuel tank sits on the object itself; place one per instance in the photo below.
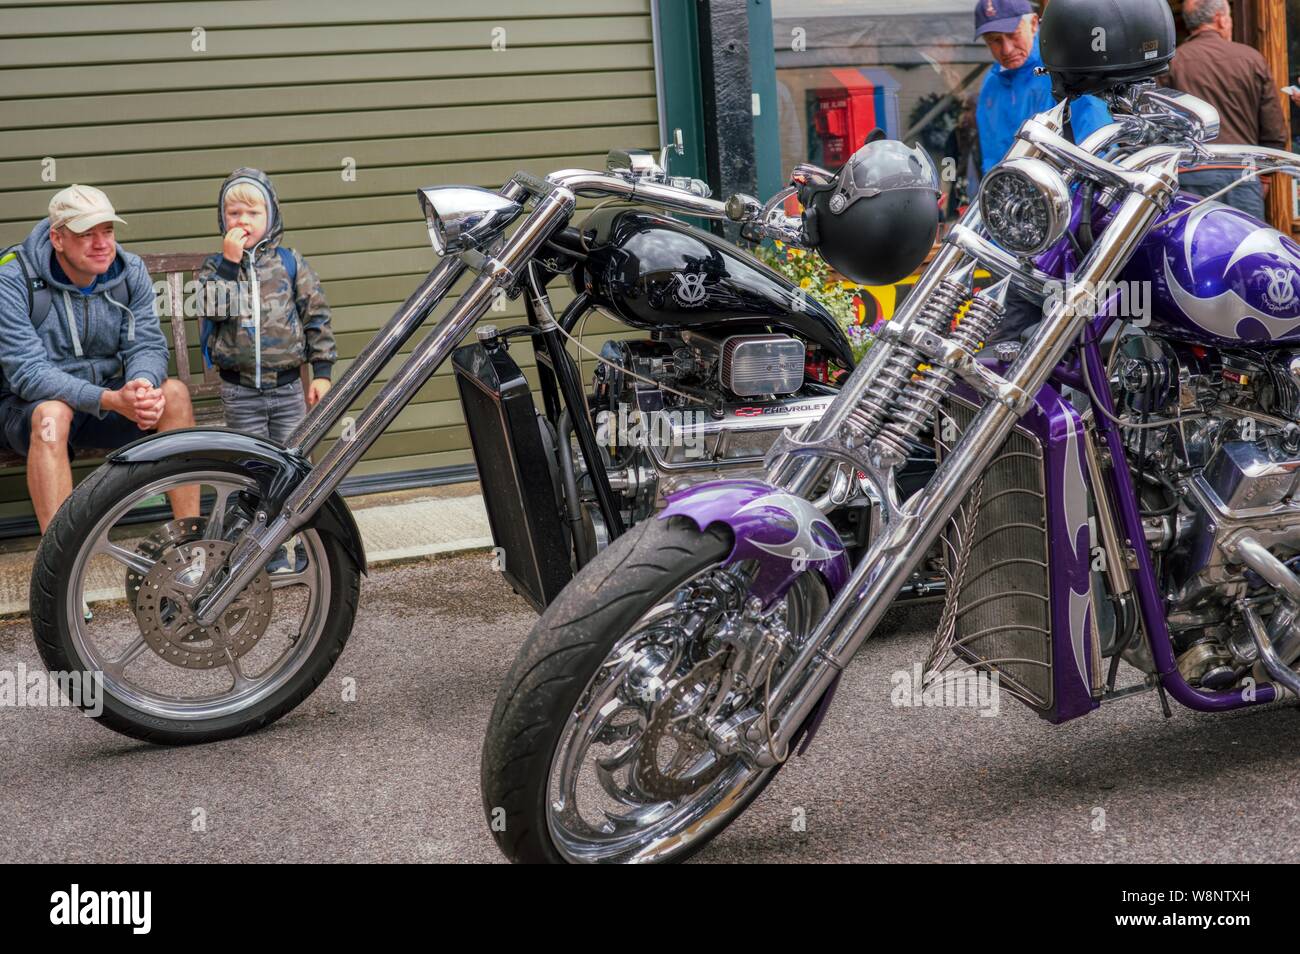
(1220, 277)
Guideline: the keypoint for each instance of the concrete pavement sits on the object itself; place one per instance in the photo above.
(393, 776)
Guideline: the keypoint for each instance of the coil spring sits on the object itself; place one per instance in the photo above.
(916, 404)
(867, 419)
(978, 323)
(905, 371)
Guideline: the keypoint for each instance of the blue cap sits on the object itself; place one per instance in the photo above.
(999, 16)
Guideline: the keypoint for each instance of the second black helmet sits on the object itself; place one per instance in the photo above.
(1092, 45)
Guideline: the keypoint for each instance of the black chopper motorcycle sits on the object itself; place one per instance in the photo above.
(195, 641)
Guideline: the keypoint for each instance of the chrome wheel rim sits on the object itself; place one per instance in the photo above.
(136, 670)
(598, 808)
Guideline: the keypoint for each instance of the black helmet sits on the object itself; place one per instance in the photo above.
(1092, 45)
(876, 220)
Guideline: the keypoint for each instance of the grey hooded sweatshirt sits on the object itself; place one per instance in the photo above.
(86, 340)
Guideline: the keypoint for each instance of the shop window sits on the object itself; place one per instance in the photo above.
(913, 69)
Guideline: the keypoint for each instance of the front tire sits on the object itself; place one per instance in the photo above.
(161, 679)
(556, 671)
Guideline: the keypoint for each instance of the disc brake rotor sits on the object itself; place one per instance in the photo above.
(664, 771)
(168, 536)
(168, 624)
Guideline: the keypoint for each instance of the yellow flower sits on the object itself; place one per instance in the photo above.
(805, 283)
(778, 243)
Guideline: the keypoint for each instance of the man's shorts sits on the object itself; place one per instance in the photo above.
(87, 431)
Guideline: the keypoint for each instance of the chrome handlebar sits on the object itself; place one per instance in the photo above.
(689, 196)
(685, 198)
(1263, 158)
(1156, 116)
(1119, 156)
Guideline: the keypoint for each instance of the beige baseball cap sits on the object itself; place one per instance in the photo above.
(81, 208)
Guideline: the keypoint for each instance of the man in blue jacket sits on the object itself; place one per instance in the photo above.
(1012, 92)
(83, 358)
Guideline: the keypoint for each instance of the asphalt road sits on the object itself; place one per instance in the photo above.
(393, 776)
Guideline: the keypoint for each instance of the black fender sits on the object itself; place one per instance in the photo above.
(276, 470)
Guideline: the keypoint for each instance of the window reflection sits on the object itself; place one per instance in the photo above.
(912, 68)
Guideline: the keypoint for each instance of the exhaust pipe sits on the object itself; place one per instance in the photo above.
(1274, 572)
(1281, 673)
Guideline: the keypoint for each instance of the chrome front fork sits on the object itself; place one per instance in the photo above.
(270, 530)
(859, 606)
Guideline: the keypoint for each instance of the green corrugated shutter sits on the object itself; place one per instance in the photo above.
(412, 91)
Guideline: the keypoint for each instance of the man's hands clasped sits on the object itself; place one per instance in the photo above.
(138, 401)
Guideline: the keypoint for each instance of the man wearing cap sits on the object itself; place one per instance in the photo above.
(83, 358)
(1012, 91)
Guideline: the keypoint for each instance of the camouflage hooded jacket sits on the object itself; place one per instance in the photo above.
(263, 329)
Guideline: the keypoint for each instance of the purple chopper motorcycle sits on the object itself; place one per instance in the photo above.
(1117, 494)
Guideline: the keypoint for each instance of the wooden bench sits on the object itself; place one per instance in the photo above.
(205, 385)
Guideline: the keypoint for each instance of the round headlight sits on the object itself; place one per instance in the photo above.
(465, 217)
(1025, 205)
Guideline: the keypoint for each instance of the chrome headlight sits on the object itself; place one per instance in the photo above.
(465, 217)
(1025, 205)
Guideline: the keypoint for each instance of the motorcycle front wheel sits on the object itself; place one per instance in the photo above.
(110, 600)
(593, 751)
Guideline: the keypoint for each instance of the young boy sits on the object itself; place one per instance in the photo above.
(265, 316)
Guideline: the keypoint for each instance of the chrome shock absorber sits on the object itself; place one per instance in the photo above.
(917, 402)
(873, 412)
(982, 318)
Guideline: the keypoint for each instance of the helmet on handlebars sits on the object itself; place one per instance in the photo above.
(876, 219)
(1090, 46)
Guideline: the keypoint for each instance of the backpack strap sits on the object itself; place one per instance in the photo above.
(290, 265)
(206, 328)
(39, 296)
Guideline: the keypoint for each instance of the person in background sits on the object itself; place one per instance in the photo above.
(1234, 79)
(1294, 92)
(1012, 91)
(83, 357)
(963, 148)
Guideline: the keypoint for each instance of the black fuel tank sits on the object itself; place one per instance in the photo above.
(656, 273)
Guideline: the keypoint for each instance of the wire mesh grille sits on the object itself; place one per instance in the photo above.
(998, 615)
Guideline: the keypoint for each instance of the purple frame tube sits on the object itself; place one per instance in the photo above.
(1151, 602)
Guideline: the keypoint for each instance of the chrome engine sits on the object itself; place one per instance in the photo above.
(1219, 492)
(676, 410)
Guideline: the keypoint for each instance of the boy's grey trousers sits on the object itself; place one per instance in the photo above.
(272, 413)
